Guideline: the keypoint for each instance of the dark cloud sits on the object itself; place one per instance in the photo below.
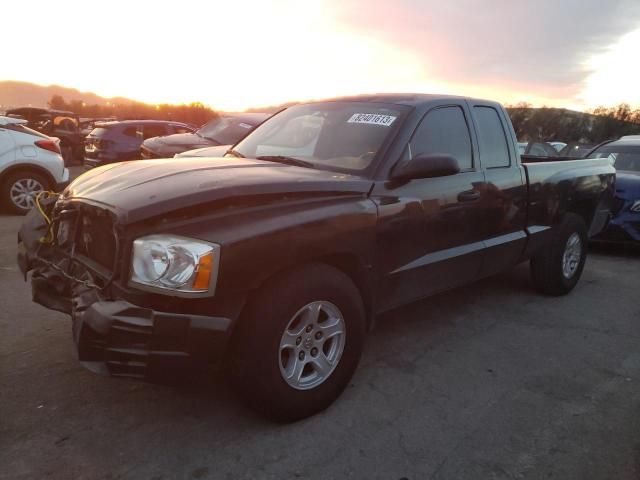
(523, 44)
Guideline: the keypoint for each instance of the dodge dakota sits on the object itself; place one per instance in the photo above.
(274, 261)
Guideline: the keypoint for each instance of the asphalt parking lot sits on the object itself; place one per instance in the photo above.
(492, 381)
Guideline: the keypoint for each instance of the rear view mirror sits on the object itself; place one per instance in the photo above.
(427, 166)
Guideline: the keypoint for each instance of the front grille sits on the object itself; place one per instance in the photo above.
(88, 232)
(96, 239)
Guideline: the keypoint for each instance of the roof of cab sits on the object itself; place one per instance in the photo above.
(408, 99)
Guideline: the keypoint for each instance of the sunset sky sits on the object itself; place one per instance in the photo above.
(238, 54)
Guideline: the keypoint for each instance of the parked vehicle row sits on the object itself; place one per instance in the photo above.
(226, 129)
(560, 150)
(276, 259)
(55, 123)
(624, 154)
(113, 142)
(30, 163)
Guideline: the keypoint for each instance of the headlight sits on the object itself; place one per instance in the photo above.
(635, 207)
(175, 265)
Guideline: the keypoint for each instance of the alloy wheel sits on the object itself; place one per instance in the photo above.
(311, 345)
(24, 191)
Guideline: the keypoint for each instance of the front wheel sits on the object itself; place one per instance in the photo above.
(299, 342)
(557, 269)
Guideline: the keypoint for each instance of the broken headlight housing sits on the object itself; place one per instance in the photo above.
(175, 265)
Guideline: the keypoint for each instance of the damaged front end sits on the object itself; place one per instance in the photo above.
(73, 251)
(48, 246)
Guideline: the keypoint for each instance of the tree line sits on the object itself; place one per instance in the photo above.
(595, 126)
(545, 124)
(194, 113)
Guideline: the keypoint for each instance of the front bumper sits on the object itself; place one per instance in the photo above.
(119, 338)
(122, 339)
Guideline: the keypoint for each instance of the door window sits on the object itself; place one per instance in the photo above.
(444, 130)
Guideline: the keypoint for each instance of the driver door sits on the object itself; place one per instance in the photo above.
(429, 230)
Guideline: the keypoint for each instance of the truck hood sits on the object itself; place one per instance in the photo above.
(143, 189)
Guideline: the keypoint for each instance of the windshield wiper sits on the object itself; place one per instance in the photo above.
(235, 153)
(287, 160)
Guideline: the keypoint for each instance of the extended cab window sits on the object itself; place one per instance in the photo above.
(444, 130)
(492, 141)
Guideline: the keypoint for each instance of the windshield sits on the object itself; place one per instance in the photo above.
(342, 136)
(225, 130)
(623, 157)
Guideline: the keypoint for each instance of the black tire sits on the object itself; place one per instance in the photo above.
(10, 180)
(547, 265)
(256, 351)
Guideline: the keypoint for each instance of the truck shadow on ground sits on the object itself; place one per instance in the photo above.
(427, 322)
(629, 250)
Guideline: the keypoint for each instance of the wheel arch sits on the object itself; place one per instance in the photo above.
(27, 167)
(352, 266)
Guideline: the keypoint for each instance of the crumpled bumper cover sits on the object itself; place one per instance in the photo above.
(122, 339)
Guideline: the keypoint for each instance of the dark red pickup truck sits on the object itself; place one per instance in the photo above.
(275, 260)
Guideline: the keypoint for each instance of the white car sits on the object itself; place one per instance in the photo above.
(30, 163)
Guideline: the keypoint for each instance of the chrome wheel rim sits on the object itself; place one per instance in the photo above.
(572, 256)
(23, 193)
(312, 345)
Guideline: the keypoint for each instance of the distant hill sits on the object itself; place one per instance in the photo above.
(21, 94)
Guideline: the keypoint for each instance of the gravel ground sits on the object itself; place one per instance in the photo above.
(491, 381)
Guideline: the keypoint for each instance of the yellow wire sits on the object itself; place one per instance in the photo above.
(49, 237)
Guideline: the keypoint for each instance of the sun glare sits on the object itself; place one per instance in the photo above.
(236, 55)
(615, 74)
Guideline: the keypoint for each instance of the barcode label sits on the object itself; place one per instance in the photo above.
(372, 119)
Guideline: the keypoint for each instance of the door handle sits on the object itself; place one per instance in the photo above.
(468, 196)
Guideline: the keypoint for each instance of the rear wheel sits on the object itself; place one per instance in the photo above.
(299, 342)
(19, 191)
(557, 269)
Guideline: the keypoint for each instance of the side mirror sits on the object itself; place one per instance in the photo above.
(427, 166)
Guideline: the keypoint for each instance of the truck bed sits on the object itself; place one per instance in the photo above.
(584, 186)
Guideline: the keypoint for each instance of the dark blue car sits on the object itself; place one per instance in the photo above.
(625, 156)
(112, 142)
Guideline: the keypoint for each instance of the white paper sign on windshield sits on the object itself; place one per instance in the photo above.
(372, 119)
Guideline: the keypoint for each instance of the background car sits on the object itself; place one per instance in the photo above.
(557, 145)
(112, 142)
(537, 149)
(624, 154)
(30, 163)
(226, 129)
(88, 124)
(55, 123)
(576, 150)
(217, 151)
